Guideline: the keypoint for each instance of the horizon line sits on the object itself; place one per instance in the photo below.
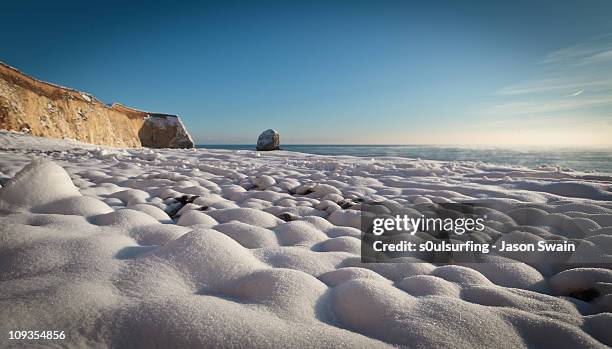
(604, 146)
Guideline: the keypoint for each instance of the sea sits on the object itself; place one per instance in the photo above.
(595, 160)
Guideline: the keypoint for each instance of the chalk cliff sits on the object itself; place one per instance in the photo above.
(47, 110)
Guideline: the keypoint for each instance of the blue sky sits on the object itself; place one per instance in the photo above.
(395, 72)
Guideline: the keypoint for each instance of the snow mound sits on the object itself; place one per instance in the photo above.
(387, 313)
(75, 205)
(428, 285)
(39, 183)
(293, 294)
(248, 235)
(152, 211)
(246, 215)
(194, 217)
(209, 258)
(125, 218)
(299, 233)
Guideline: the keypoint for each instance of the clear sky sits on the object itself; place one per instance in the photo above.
(382, 72)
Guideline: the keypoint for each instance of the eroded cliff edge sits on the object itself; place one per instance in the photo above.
(43, 109)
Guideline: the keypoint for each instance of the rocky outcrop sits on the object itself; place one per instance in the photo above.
(43, 109)
(164, 131)
(268, 140)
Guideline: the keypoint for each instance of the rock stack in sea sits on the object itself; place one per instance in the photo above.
(268, 140)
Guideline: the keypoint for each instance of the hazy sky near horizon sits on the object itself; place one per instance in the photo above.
(352, 72)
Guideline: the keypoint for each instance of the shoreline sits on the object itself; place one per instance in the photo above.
(580, 158)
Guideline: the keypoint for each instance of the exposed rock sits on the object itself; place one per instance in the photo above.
(164, 131)
(268, 140)
(47, 110)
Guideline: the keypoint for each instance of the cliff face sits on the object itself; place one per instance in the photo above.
(46, 110)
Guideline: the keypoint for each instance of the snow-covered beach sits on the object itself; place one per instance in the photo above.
(141, 248)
